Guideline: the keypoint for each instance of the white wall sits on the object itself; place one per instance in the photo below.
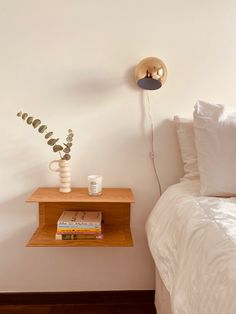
(71, 63)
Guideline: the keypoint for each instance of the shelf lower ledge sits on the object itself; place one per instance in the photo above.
(114, 236)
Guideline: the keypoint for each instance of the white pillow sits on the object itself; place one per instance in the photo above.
(215, 136)
(187, 147)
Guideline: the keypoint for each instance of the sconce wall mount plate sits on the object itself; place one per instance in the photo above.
(150, 73)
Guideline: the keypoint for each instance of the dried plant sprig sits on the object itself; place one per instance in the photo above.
(36, 123)
(68, 145)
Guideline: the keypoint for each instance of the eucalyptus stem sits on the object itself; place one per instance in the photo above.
(57, 148)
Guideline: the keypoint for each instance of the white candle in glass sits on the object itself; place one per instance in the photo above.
(94, 185)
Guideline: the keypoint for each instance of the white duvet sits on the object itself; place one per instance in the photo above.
(193, 242)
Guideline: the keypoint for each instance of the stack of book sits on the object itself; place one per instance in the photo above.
(79, 225)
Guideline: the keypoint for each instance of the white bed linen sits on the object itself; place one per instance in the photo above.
(192, 239)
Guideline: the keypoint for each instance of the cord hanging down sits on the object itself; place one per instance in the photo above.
(152, 153)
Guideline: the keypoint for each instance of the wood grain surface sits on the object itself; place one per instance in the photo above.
(112, 195)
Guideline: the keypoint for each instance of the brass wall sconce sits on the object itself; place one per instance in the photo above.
(150, 73)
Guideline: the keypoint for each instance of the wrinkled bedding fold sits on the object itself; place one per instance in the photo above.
(192, 239)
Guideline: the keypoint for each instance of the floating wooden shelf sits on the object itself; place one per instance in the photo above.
(114, 204)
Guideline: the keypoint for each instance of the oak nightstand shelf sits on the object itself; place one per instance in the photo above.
(114, 203)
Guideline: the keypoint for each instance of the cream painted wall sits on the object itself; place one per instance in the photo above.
(70, 63)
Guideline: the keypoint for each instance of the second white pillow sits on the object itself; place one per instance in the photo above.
(215, 137)
(185, 134)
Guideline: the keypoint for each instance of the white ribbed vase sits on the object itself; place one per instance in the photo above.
(64, 173)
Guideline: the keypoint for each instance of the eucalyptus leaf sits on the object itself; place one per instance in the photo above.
(66, 157)
(19, 114)
(42, 128)
(36, 123)
(69, 139)
(24, 115)
(68, 144)
(52, 141)
(66, 150)
(57, 148)
(30, 120)
(49, 134)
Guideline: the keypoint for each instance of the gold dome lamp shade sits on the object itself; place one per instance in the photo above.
(150, 73)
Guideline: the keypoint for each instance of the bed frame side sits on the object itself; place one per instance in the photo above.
(162, 296)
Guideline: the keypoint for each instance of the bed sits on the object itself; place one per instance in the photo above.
(192, 239)
(192, 229)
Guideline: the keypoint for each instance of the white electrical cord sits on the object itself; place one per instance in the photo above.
(152, 153)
